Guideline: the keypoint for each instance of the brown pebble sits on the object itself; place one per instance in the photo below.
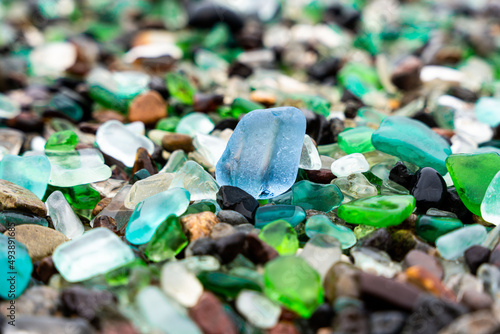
(107, 222)
(323, 176)
(444, 132)
(45, 269)
(266, 98)
(103, 116)
(476, 300)
(284, 328)
(14, 197)
(206, 103)
(385, 292)
(144, 161)
(421, 259)
(199, 225)
(342, 280)
(101, 205)
(177, 141)
(257, 250)
(406, 76)
(425, 280)
(210, 316)
(148, 108)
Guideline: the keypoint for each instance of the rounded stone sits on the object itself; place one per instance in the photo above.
(14, 197)
(177, 141)
(39, 240)
(231, 217)
(148, 108)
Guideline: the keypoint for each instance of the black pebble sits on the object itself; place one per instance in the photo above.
(234, 198)
(476, 256)
(429, 189)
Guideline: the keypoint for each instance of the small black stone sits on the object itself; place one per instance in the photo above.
(206, 15)
(390, 322)
(475, 256)
(432, 314)
(325, 69)
(203, 246)
(234, 198)
(229, 247)
(85, 303)
(495, 256)
(429, 189)
(229, 123)
(454, 204)
(401, 175)
(380, 239)
(426, 118)
(322, 317)
(240, 69)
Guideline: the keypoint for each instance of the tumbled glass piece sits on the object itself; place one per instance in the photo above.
(321, 252)
(356, 140)
(147, 187)
(490, 205)
(321, 224)
(487, 110)
(180, 284)
(379, 211)
(16, 266)
(258, 309)
(471, 175)
(291, 282)
(116, 89)
(355, 186)
(412, 141)
(193, 123)
(375, 261)
(117, 141)
(8, 108)
(262, 156)
(350, 164)
(281, 236)
(314, 196)
(61, 141)
(196, 180)
(116, 209)
(63, 217)
(167, 241)
(291, 213)
(19, 218)
(453, 245)
(31, 173)
(176, 160)
(151, 212)
(210, 147)
(79, 167)
(96, 252)
(162, 314)
(226, 284)
(309, 158)
(81, 197)
(179, 87)
(430, 228)
(389, 187)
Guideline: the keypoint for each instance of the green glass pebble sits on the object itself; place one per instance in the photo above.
(453, 245)
(180, 88)
(81, 197)
(226, 285)
(291, 213)
(16, 267)
(152, 211)
(19, 218)
(195, 123)
(379, 211)
(167, 241)
(314, 196)
(361, 230)
(430, 228)
(202, 206)
(412, 141)
(241, 106)
(356, 140)
(471, 175)
(65, 104)
(321, 224)
(61, 141)
(281, 236)
(168, 124)
(293, 283)
(490, 206)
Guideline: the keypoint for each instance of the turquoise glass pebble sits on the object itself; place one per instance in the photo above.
(291, 213)
(487, 110)
(321, 224)
(412, 141)
(16, 267)
(453, 245)
(96, 252)
(263, 154)
(314, 196)
(30, 172)
(151, 212)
